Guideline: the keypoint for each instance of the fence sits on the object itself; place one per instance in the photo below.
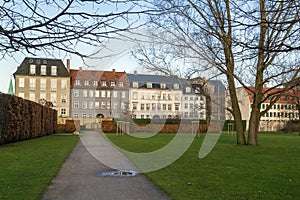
(22, 119)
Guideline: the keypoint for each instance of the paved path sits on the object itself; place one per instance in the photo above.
(78, 180)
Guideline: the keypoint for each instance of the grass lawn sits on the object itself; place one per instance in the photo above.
(268, 171)
(26, 168)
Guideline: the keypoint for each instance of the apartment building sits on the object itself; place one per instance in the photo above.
(164, 96)
(98, 94)
(44, 79)
(275, 119)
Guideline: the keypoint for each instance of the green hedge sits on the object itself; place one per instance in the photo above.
(227, 122)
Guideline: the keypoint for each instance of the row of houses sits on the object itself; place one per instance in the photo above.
(91, 94)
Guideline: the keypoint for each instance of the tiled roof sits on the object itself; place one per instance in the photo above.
(286, 98)
(95, 75)
(24, 68)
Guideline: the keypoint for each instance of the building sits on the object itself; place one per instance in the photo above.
(163, 96)
(44, 79)
(284, 110)
(98, 94)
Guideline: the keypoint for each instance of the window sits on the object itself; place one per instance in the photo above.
(64, 98)
(32, 96)
(77, 82)
(97, 105)
(176, 86)
(21, 82)
(142, 106)
(158, 106)
(32, 83)
(134, 106)
(95, 83)
(44, 61)
(103, 105)
(43, 69)
(103, 93)
(30, 60)
(64, 84)
(84, 105)
(153, 106)
(177, 98)
(164, 106)
(148, 106)
(103, 83)
(121, 84)
(108, 105)
(53, 98)
(76, 104)
(112, 84)
(43, 84)
(53, 84)
(97, 93)
(163, 85)
(149, 85)
(21, 94)
(123, 94)
(90, 115)
(84, 115)
(91, 93)
(84, 93)
(53, 70)
(169, 106)
(188, 90)
(38, 61)
(32, 70)
(186, 106)
(108, 94)
(76, 93)
(115, 94)
(76, 116)
(86, 83)
(63, 111)
(42, 95)
(176, 107)
(135, 84)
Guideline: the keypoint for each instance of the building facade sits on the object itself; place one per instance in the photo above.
(164, 96)
(98, 94)
(44, 79)
(284, 110)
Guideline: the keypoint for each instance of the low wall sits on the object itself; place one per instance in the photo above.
(111, 127)
(21, 119)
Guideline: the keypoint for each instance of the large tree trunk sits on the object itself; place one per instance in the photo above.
(254, 125)
(240, 136)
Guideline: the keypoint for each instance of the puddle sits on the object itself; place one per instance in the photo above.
(118, 173)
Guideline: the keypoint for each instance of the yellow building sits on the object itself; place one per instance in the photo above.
(44, 80)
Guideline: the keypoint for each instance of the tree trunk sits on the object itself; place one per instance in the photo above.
(254, 125)
(240, 136)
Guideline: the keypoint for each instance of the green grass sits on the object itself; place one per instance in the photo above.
(26, 168)
(268, 171)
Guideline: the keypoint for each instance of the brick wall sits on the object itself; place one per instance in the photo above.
(22, 119)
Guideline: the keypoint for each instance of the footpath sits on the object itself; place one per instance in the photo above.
(79, 179)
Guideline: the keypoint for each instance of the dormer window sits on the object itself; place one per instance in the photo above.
(163, 86)
(176, 86)
(30, 60)
(43, 69)
(103, 83)
(38, 61)
(86, 83)
(121, 84)
(44, 61)
(53, 70)
(188, 90)
(135, 84)
(112, 84)
(149, 85)
(32, 70)
(77, 82)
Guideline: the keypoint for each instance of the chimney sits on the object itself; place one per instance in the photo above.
(135, 72)
(80, 68)
(68, 65)
(113, 70)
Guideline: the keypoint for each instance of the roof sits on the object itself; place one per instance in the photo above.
(24, 68)
(99, 76)
(219, 86)
(286, 98)
(156, 80)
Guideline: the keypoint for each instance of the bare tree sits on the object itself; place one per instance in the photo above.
(30, 26)
(251, 43)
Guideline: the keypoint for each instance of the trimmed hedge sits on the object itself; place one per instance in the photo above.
(22, 119)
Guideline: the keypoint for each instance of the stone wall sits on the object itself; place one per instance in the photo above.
(22, 119)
